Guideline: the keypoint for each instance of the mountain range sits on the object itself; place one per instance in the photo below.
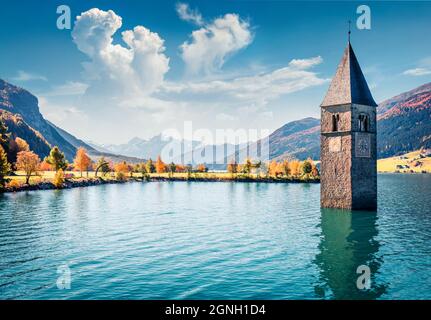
(404, 125)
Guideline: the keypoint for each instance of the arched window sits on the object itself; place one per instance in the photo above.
(363, 122)
(335, 121)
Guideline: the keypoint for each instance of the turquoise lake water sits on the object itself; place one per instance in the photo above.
(214, 240)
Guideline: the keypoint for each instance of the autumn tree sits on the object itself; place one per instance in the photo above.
(272, 168)
(58, 180)
(28, 162)
(56, 159)
(180, 168)
(45, 166)
(285, 168)
(121, 170)
(150, 166)
(82, 161)
(160, 165)
(22, 145)
(295, 167)
(201, 168)
(232, 167)
(16, 145)
(5, 167)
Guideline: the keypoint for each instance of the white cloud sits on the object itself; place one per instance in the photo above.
(23, 76)
(254, 89)
(417, 72)
(137, 69)
(70, 88)
(305, 63)
(187, 14)
(423, 68)
(129, 79)
(210, 45)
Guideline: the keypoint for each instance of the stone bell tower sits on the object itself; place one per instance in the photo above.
(348, 140)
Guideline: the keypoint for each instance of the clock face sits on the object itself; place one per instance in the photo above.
(363, 145)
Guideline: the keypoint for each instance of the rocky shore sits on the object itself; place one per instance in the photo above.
(68, 184)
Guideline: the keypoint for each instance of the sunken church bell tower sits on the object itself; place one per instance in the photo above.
(348, 140)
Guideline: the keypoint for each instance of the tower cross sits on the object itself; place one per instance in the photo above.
(349, 30)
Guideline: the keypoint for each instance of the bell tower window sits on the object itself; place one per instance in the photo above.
(363, 123)
(335, 122)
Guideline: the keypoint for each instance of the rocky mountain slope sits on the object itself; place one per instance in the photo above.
(20, 110)
(16, 100)
(404, 122)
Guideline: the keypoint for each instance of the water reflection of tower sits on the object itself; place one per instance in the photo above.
(348, 241)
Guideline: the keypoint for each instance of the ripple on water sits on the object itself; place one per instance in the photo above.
(214, 241)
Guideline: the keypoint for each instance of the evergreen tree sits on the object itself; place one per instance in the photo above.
(5, 167)
(4, 136)
(150, 166)
(57, 159)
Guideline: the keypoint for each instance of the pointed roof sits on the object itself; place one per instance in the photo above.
(349, 84)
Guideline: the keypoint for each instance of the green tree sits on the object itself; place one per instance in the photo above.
(247, 166)
(102, 166)
(189, 170)
(4, 136)
(56, 159)
(172, 168)
(306, 167)
(142, 169)
(150, 166)
(5, 167)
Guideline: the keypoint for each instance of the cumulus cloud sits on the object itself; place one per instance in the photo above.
(210, 45)
(135, 69)
(187, 14)
(129, 77)
(23, 76)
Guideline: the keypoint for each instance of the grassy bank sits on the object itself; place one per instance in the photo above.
(413, 162)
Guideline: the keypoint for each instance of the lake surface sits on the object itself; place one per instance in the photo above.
(214, 240)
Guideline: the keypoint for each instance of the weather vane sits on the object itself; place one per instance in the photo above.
(349, 30)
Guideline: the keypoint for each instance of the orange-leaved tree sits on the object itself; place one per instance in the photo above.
(232, 167)
(28, 162)
(160, 165)
(121, 170)
(295, 167)
(201, 168)
(82, 161)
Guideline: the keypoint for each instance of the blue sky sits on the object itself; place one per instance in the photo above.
(248, 81)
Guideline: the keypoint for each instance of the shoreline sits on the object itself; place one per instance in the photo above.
(70, 184)
(90, 182)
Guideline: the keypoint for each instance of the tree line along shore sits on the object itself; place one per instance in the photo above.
(22, 169)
